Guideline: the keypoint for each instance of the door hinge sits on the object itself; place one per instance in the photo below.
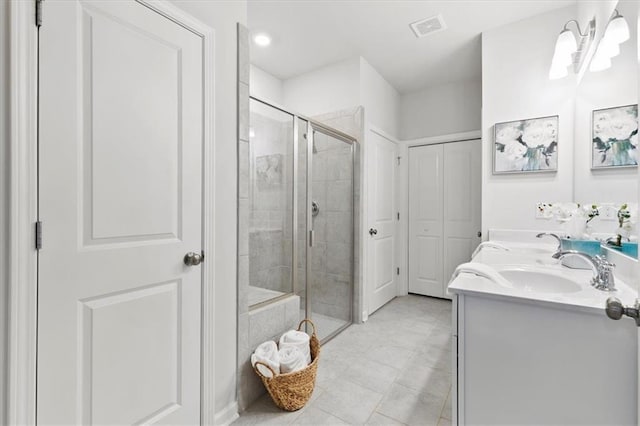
(311, 234)
(38, 235)
(399, 160)
(39, 13)
(398, 215)
(397, 271)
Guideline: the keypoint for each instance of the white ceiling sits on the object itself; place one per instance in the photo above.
(308, 34)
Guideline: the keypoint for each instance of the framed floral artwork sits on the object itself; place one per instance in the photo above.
(526, 146)
(615, 137)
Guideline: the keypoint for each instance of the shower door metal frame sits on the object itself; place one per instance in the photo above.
(312, 127)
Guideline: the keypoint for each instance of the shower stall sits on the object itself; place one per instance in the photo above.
(301, 216)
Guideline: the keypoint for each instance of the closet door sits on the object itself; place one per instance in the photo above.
(462, 203)
(425, 220)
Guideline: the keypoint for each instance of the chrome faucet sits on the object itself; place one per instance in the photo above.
(603, 278)
(548, 234)
(617, 240)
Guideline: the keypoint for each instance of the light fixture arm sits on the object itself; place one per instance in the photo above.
(577, 25)
(617, 15)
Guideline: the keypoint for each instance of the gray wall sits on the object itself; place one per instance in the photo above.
(4, 201)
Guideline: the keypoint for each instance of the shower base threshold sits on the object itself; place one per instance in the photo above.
(326, 326)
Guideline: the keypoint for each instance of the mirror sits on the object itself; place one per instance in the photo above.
(604, 123)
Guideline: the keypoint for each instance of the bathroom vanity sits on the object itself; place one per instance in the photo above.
(537, 348)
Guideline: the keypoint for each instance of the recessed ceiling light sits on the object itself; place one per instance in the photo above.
(262, 39)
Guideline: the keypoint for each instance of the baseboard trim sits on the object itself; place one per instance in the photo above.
(227, 415)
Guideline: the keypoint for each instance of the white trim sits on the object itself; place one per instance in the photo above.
(452, 137)
(227, 415)
(21, 388)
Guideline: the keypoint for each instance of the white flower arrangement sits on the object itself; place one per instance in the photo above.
(577, 217)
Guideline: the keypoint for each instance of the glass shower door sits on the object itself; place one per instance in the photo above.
(329, 265)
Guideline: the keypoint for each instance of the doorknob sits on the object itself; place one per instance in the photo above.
(479, 234)
(373, 232)
(616, 310)
(192, 259)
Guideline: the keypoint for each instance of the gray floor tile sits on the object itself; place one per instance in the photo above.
(316, 416)
(349, 401)
(392, 370)
(444, 422)
(393, 356)
(438, 357)
(446, 410)
(420, 377)
(411, 407)
(371, 374)
(378, 419)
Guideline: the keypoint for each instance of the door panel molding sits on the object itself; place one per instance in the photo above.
(22, 214)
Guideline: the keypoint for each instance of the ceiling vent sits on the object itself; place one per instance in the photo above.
(425, 27)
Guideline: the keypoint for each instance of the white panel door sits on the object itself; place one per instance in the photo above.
(462, 203)
(121, 139)
(382, 163)
(425, 220)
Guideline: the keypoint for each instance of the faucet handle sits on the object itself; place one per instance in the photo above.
(604, 263)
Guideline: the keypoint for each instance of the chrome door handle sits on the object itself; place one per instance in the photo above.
(373, 232)
(616, 310)
(192, 259)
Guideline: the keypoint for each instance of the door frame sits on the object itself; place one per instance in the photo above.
(403, 285)
(23, 211)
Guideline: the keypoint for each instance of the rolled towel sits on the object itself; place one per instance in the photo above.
(267, 353)
(291, 359)
(299, 339)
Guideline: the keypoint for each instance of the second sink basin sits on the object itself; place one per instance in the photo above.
(539, 282)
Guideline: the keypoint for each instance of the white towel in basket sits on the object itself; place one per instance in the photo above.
(299, 339)
(291, 359)
(267, 353)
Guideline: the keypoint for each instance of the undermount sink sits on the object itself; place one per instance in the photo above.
(539, 282)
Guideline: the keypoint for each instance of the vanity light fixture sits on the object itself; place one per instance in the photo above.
(618, 29)
(616, 33)
(262, 39)
(569, 51)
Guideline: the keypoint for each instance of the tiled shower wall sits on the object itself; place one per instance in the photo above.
(270, 217)
(257, 325)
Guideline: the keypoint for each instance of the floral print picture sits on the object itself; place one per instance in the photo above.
(526, 146)
(615, 137)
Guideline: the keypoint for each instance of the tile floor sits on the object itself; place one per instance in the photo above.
(394, 369)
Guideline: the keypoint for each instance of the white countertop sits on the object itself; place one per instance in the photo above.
(537, 257)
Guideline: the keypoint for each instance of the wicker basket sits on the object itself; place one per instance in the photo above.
(291, 391)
